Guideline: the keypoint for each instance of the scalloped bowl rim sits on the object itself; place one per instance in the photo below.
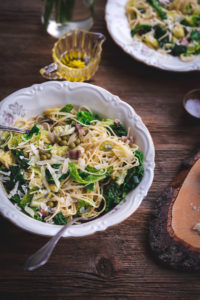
(118, 27)
(24, 101)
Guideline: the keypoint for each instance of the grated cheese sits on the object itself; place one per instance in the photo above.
(14, 190)
(53, 174)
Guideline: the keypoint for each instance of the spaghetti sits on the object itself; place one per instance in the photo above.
(70, 164)
(171, 27)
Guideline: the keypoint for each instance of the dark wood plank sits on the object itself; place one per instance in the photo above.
(114, 264)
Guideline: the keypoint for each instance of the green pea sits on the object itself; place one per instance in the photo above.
(72, 145)
(48, 155)
(78, 141)
(63, 143)
(50, 204)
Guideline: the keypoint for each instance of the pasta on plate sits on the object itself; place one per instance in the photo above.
(171, 27)
(72, 163)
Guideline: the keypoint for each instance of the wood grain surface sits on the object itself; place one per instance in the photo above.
(114, 264)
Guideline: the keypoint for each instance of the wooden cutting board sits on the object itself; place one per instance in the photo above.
(174, 236)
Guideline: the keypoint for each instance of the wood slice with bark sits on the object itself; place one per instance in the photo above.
(174, 242)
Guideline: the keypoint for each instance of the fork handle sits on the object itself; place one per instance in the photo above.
(15, 129)
(40, 257)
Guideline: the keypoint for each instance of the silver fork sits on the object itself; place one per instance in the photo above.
(41, 257)
(15, 129)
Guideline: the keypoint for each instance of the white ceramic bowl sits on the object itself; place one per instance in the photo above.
(119, 30)
(33, 101)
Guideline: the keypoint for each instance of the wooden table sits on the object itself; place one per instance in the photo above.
(114, 264)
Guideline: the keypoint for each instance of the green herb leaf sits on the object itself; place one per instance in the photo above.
(26, 199)
(156, 5)
(160, 31)
(188, 7)
(15, 198)
(36, 216)
(140, 156)
(15, 176)
(141, 29)
(63, 176)
(59, 219)
(192, 21)
(134, 175)
(86, 117)
(67, 108)
(34, 130)
(178, 50)
(19, 154)
(6, 148)
(83, 177)
(56, 166)
(195, 35)
(119, 130)
(114, 193)
(49, 177)
(90, 187)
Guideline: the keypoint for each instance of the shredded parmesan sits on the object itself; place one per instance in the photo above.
(53, 174)
(14, 190)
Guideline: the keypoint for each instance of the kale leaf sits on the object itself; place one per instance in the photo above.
(59, 219)
(195, 35)
(15, 198)
(19, 154)
(34, 130)
(36, 216)
(49, 177)
(15, 175)
(192, 21)
(26, 199)
(141, 29)
(90, 187)
(159, 32)
(86, 117)
(156, 5)
(119, 129)
(188, 8)
(114, 193)
(56, 166)
(6, 148)
(140, 156)
(67, 108)
(83, 177)
(178, 50)
(63, 176)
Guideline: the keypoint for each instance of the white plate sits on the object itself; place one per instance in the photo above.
(118, 28)
(34, 100)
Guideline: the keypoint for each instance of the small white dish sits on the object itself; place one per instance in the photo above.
(118, 27)
(34, 100)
